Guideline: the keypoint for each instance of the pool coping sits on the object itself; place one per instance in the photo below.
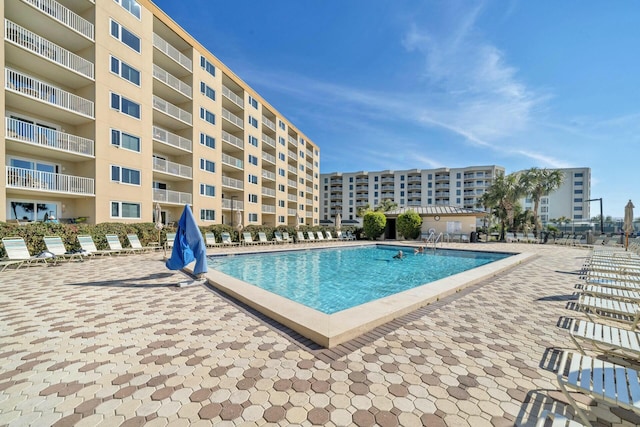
(329, 330)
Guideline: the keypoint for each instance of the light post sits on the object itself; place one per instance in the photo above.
(601, 217)
(232, 208)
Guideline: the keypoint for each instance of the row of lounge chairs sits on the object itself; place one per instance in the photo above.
(18, 253)
(610, 294)
(246, 238)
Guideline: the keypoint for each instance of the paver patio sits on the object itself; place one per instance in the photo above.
(113, 341)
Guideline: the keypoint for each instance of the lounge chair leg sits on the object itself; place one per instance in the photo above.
(574, 404)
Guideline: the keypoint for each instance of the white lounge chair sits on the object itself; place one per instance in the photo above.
(301, 237)
(277, 237)
(612, 309)
(114, 244)
(18, 253)
(136, 245)
(55, 245)
(320, 235)
(89, 247)
(557, 420)
(210, 240)
(328, 236)
(171, 237)
(286, 237)
(310, 236)
(226, 239)
(247, 239)
(615, 384)
(623, 294)
(605, 338)
(262, 238)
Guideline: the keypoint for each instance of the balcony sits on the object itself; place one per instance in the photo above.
(267, 140)
(232, 161)
(233, 140)
(268, 192)
(232, 118)
(232, 204)
(47, 182)
(292, 169)
(292, 212)
(171, 139)
(269, 158)
(226, 92)
(414, 179)
(55, 21)
(292, 141)
(172, 111)
(269, 175)
(292, 197)
(292, 155)
(292, 183)
(171, 52)
(232, 183)
(269, 209)
(70, 108)
(172, 168)
(168, 196)
(68, 146)
(170, 81)
(51, 56)
(268, 123)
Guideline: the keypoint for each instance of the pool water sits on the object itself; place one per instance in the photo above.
(332, 280)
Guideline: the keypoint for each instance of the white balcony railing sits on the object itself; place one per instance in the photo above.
(167, 137)
(292, 212)
(65, 16)
(169, 196)
(232, 182)
(51, 138)
(46, 49)
(231, 139)
(268, 123)
(293, 141)
(232, 161)
(162, 165)
(270, 192)
(47, 181)
(172, 81)
(236, 205)
(171, 110)
(292, 183)
(269, 158)
(309, 190)
(173, 53)
(268, 209)
(292, 197)
(226, 114)
(269, 141)
(292, 155)
(36, 89)
(232, 96)
(292, 169)
(269, 175)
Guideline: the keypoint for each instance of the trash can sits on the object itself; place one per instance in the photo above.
(473, 238)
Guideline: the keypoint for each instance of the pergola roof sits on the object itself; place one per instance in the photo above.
(437, 210)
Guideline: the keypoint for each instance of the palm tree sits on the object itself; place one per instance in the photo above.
(502, 197)
(539, 183)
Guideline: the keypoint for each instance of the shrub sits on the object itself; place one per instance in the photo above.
(374, 224)
(408, 224)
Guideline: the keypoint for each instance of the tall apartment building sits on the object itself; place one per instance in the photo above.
(344, 193)
(569, 201)
(110, 107)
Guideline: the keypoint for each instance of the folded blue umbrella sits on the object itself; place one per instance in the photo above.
(188, 245)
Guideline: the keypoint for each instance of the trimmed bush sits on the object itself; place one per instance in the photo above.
(373, 224)
(408, 225)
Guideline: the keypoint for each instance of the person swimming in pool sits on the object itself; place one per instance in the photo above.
(399, 255)
(418, 250)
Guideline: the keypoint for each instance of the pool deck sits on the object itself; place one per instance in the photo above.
(113, 341)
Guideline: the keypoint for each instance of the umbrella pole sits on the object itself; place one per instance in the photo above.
(626, 245)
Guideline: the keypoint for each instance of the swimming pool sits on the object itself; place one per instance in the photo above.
(336, 279)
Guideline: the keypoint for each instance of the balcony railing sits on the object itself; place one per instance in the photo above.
(292, 155)
(309, 190)
(269, 158)
(268, 209)
(232, 182)
(43, 47)
(236, 205)
(292, 183)
(173, 53)
(232, 96)
(30, 133)
(292, 169)
(167, 137)
(269, 175)
(46, 181)
(268, 192)
(170, 109)
(292, 212)
(231, 139)
(292, 197)
(172, 81)
(65, 16)
(36, 89)
(269, 141)
(232, 161)
(232, 118)
(169, 196)
(293, 141)
(268, 123)
(162, 165)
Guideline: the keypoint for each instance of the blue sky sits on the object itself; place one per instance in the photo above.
(403, 84)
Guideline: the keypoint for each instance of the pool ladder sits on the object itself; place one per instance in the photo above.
(434, 239)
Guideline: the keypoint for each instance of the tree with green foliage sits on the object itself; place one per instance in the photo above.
(502, 197)
(386, 205)
(408, 224)
(538, 183)
(374, 223)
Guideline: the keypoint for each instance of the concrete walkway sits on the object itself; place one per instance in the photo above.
(113, 341)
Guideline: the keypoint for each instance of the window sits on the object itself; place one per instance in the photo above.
(577, 216)
(253, 160)
(253, 122)
(253, 198)
(282, 188)
(577, 208)
(125, 175)
(125, 71)
(301, 154)
(281, 219)
(458, 175)
(125, 210)
(125, 106)
(207, 190)
(207, 165)
(578, 183)
(252, 179)
(458, 193)
(281, 125)
(281, 156)
(281, 141)
(577, 191)
(207, 116)
(131, 5)
(301, 167)
(281, 203)
(207, 140)
(207, 91)
(125, 36)
(577, 175)
(253, 217)
(207, 66)
(207, 215)
(253, 141)
(124, 140)
(253, 102)
(577, 200)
